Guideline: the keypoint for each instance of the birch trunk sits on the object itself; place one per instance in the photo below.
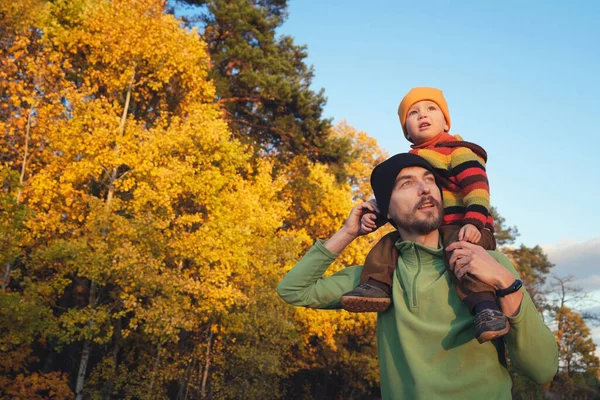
(94, 287)
(206, 366)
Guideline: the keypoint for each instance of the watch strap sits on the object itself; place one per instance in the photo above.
(516, 285)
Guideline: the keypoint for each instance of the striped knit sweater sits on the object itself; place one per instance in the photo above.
(465, 188)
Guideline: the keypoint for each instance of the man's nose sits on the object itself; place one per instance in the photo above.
(424, 188)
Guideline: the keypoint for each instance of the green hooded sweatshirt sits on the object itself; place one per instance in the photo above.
(426, 340)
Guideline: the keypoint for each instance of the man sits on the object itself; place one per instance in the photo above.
(426, 343)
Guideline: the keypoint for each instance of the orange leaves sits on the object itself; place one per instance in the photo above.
(577, 350)
(37, 386)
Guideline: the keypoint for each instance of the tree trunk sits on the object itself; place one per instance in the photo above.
(184, 385)
(109, 385)
(20, 190)
(25, 155)
(5, 277)
(113, 173)
(206, 365)
(85, 354)
(154, 369)
(187, 383)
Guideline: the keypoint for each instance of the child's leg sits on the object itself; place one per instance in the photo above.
(374, 292)
(382, 260)
(487, 241)
(479, 297)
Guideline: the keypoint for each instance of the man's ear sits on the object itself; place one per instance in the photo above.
(446, 128)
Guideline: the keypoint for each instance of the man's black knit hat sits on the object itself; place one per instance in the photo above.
(384, 176)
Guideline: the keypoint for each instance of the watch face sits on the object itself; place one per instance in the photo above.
(517, 285)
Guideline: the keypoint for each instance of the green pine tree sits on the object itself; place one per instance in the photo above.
(263, 82)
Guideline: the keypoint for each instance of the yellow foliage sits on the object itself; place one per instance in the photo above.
(147, 218)
(367, 154)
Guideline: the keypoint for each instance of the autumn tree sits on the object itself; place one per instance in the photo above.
(578, 363)
(149, 222)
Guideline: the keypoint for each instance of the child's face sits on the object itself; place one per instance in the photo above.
(424, 121)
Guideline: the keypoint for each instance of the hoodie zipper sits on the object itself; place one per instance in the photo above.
(415, 302)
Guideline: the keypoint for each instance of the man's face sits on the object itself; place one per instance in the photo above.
(424, 121)
(416, 202)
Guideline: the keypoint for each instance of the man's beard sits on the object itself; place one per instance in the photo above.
(423, 226)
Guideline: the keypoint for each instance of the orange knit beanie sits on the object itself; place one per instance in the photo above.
(419, 94)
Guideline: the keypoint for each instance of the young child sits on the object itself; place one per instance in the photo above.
(460, 167)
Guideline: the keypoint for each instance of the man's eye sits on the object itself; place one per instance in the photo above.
(406, 184)
(432, 108)
(413, 112)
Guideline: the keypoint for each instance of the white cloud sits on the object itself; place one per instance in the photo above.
(578, 258)
(596, 337)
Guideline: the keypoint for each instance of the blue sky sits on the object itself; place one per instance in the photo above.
(521, 78)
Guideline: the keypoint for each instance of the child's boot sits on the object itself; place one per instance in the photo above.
(371, 296)
(490, 323)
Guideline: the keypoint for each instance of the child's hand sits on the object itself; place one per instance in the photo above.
(368, 222)
(469, 233)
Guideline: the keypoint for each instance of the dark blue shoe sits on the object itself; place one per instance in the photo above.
(490, 324)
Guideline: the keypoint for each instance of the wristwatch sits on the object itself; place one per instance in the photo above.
(516, 285)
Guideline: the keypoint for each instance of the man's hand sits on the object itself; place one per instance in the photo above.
(475, 260)
(351, 228)
(470, 233)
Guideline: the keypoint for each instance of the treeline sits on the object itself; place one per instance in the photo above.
(157, 181)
